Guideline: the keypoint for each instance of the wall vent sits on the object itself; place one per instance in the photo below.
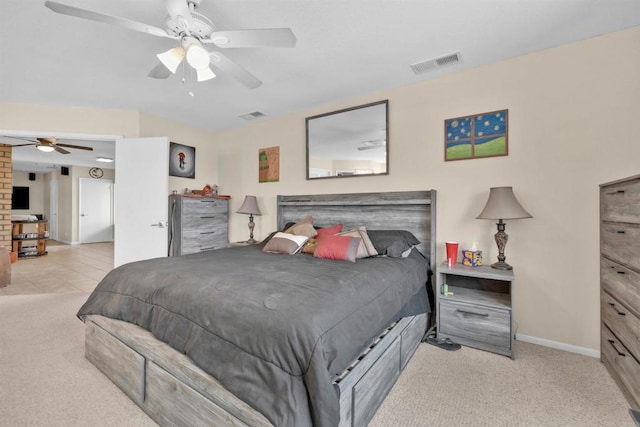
(251, 116)
(441, 61)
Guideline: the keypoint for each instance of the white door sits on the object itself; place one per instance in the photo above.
(141, 199)
(53, 210)
(96, 210)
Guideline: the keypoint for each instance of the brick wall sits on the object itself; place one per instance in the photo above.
(5, 196)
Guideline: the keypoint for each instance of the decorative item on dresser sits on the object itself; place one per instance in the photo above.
(502, 204)
(620, 285)
(197, 224)
(250, 207)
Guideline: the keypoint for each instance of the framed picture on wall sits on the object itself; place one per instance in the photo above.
(182, 160)
(269, 164)
(476, 136)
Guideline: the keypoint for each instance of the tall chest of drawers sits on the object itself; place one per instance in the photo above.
(197, 224)
(620, 284)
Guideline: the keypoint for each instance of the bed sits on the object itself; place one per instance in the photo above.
(277, 343)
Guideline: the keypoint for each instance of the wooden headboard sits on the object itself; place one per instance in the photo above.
(414, 211)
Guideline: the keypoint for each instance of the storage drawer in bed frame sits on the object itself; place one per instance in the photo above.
(173, 391)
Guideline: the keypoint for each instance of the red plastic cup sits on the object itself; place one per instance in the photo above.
(452, 253)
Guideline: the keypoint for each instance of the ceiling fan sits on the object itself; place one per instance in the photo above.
(49, 144)
(194, 31)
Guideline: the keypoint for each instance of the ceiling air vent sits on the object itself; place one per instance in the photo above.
(441, 61)
(251, 116)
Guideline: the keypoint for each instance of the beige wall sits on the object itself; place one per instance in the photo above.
(36, 192)
(572, 115)
(206, 150)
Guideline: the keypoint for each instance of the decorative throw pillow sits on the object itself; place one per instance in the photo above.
(392, 242)
(343, 248)
(366, 248)
(284, 243)
(310, 247)
(329, 231)
(302, 228)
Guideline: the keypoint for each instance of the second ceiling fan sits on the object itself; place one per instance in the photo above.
(194, 31)
(49, 144)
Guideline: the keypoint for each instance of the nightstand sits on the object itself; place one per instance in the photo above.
(477, 312)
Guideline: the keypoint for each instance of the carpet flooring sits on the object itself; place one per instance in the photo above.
(46, 381)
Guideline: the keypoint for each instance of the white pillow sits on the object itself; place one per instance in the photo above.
(284, 243)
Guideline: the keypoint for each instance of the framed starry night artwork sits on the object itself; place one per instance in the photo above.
(480, 135)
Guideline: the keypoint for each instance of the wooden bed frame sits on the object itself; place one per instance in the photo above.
(173, 391)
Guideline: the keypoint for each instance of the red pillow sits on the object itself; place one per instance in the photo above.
(344, 248)
(329, 231)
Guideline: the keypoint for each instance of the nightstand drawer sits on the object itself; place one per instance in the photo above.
(621, 202)
(475, 322)
(622, 322)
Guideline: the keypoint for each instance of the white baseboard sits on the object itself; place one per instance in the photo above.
(559, 345)
(66, 242)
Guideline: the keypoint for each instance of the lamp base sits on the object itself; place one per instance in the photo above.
(501, 265)
(251, 241)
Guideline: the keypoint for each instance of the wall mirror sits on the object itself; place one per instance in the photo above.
(349, 142)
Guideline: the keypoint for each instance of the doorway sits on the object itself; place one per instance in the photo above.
(95, 204)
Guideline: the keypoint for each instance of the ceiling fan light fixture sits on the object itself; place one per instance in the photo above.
(172, 58)
(45, 148)
(205, 74)
(198, 57)
(104, 159)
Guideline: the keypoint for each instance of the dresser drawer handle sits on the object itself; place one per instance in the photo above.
(207, 249)
(472, 313)
(207, 232)
(619, 312)
(620, 232)
(613, 344)
(207, 217)
(621, 272)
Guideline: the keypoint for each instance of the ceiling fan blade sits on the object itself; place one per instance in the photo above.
(21, 139)
(267, 37)
(224, 64)
(107, 19)
(24, 145)
(159, 72)
(60, 150)
(179, 10)
(79, 147)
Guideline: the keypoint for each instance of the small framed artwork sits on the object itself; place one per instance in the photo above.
(269, 164)
(480, 135)
(182, 160)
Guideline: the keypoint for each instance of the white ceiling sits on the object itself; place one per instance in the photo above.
(345, 49)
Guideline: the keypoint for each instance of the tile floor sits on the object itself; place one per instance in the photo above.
(66, 268)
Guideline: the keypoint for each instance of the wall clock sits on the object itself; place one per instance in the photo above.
(96, 173)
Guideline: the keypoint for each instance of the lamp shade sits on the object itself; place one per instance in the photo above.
(502, 204)
(172, 58)
(249, 206)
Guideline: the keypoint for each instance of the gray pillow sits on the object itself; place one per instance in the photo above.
(392, 242)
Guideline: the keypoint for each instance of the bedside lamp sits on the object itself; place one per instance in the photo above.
(502, 204)
(250, 207)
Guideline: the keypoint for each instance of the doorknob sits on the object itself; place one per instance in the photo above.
(83, 214)
(160, 224)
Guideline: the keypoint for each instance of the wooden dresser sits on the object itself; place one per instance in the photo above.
(197, 224)
(620, 284)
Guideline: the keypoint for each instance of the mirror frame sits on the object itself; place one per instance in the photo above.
(346, 110)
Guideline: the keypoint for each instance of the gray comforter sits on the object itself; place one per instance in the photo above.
(273, 329)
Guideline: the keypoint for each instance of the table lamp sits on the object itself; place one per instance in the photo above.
(502, 204)
(250, 207)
